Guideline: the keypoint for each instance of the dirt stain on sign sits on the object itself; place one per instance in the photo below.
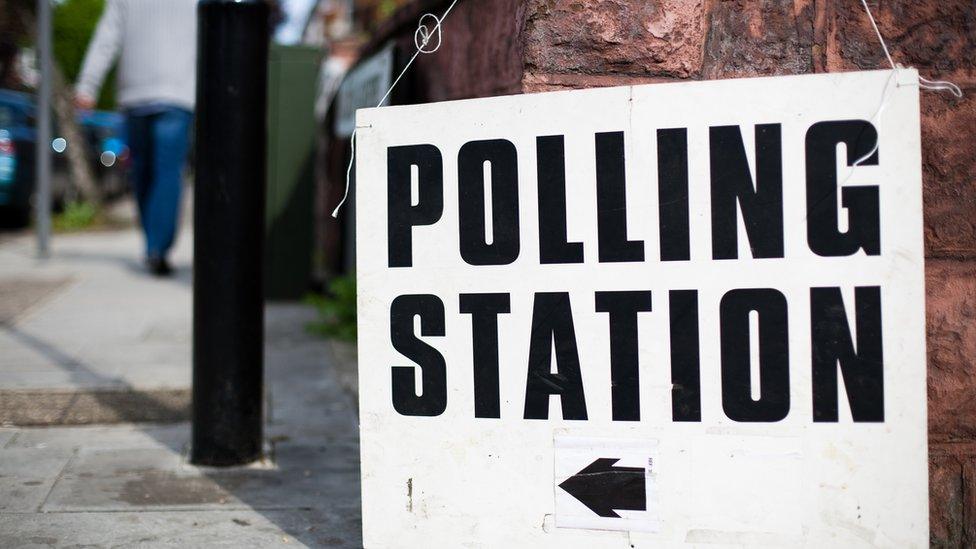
(410, 495)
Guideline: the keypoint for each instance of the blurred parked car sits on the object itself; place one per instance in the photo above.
(17, 138)
(105, 132)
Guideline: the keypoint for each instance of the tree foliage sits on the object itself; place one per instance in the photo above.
(337, 310)
(73, 26)
(16, 21)
(16, 17)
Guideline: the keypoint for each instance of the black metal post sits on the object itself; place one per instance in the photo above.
(229, 196)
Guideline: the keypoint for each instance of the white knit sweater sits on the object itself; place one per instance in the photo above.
(158, 44)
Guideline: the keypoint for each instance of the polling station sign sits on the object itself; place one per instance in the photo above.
(651, 316)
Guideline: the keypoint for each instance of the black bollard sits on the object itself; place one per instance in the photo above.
(228, 221)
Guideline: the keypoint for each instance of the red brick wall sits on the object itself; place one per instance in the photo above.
(481, 53)
(509, 46)
(574, 43)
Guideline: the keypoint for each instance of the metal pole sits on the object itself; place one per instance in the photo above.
(42, 195)
(229, 197)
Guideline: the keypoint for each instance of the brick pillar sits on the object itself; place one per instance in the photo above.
(577, 44)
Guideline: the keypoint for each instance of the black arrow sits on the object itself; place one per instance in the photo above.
(602, 487)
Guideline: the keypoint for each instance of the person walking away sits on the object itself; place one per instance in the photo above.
(155, 43)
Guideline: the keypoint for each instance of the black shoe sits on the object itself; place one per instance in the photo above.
(158, 266)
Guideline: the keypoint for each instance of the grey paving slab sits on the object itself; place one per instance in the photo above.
(20, 354)
(126, 480)
(162, 437)
(131, 479)
(26, 477)
(23, 351)
(304, 393)
(236, 528)
(18, 295)
(142, 364)
(323, 476)
(56, 379)
(98, 321)
(346, 362)
(5, 436)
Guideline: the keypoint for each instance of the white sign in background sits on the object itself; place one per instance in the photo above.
(456, 480)
(364, 86)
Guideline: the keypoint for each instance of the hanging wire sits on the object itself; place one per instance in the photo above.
(426, 40)
(426, 35)
(924, 83)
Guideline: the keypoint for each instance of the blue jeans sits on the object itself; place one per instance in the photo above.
(158, 141)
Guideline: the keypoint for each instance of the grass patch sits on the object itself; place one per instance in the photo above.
(77, 216)
(337, 310)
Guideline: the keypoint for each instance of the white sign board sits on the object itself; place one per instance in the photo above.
(655, 316)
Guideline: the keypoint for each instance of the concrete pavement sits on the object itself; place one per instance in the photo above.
(87, 337)
(89, 322)
(131, 486)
